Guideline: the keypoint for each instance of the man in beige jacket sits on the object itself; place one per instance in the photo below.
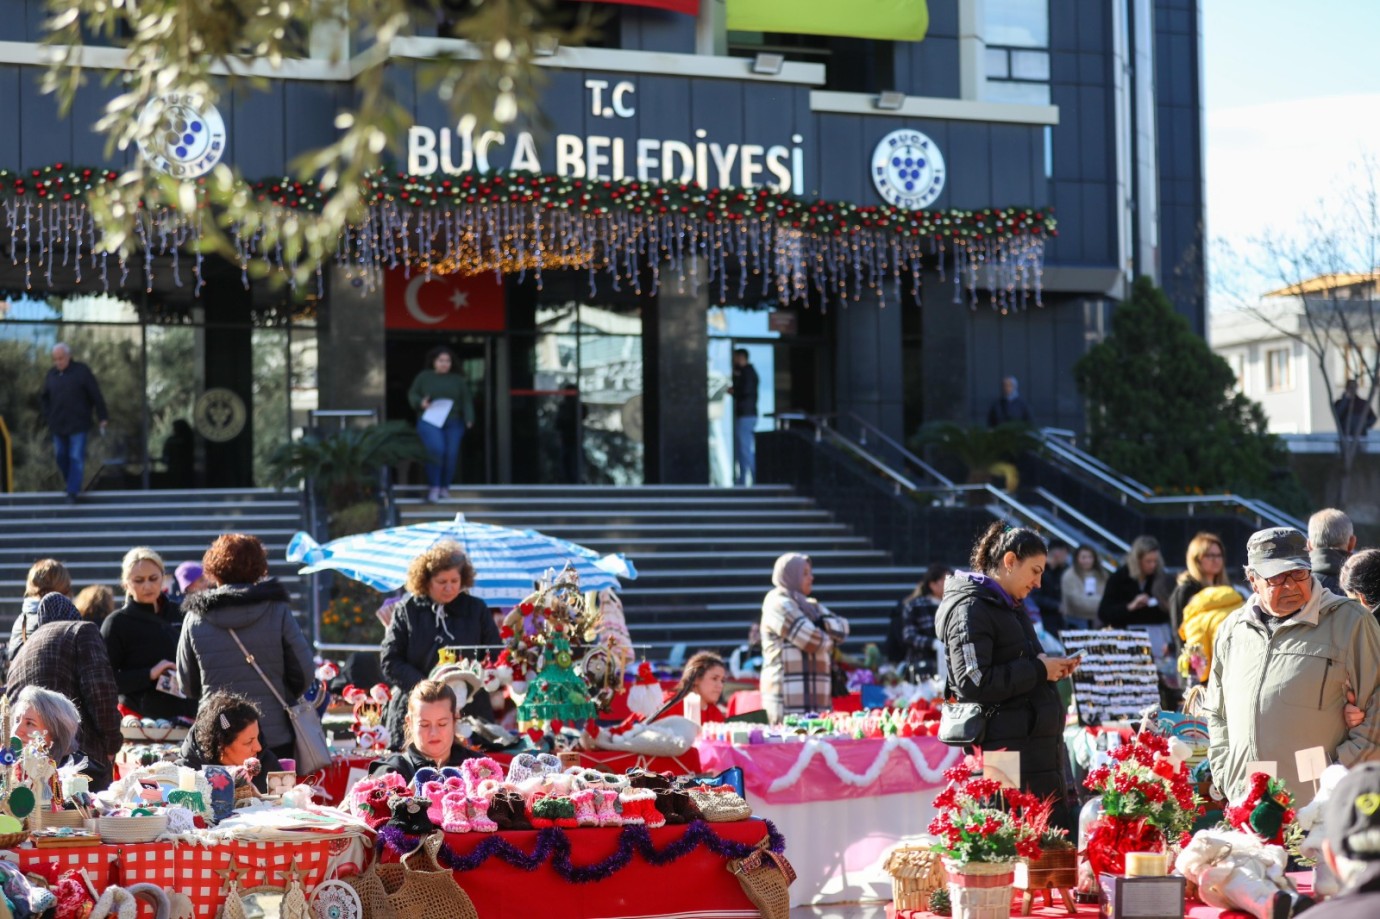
(1282, 667)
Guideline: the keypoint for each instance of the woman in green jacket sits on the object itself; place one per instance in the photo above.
(441, 436)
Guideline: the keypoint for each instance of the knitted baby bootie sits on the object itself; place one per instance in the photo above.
(456, 813)
(435, 792)
(553, 810)
(480, 821)
(539, 814)
(508, 810)
(479, 770)
(608, 807)
(586, 812)
(639, 806)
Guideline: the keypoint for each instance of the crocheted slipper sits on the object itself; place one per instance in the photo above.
(480, 770)
(456, 813)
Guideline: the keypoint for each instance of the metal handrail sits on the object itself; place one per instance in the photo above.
(869, 427)
(1064, 507)
(1130, 489)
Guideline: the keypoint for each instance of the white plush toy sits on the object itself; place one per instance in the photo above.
(1310, 817)
(1235, 870)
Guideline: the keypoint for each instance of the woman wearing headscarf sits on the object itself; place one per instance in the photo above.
(799, 635)
(66, 654)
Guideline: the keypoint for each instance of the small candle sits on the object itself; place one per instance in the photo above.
(1145, 865)
(694, 707)
(186, 779)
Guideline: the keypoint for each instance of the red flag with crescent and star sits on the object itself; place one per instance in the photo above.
(414, 300)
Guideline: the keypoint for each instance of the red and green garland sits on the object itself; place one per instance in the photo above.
(517, 222)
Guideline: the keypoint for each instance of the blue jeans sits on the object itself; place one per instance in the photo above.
(745, 449)
(70, 452)
(443, 446)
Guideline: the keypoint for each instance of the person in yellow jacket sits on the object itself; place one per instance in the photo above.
(1203, 614)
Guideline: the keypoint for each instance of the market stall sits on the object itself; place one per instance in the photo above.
(869, 793)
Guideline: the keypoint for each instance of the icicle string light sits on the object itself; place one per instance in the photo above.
(776, 246)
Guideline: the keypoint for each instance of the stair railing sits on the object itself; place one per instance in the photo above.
(6, 457)
(1059, 443)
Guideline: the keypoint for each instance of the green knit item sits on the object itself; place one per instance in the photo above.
(557, 691)
(1267, 818)
(939, 902)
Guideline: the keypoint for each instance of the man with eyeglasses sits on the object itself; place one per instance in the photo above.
(1282, 667)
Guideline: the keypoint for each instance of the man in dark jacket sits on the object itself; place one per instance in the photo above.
(1351, 846)
(1331, 540)
(70, 395)
(66, 654)
(1010, 407)
(744, 392)
(1354, 414)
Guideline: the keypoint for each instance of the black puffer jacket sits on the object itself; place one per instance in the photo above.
(992, 654)
(410, 760)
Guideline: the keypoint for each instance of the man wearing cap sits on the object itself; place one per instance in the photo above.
(1282, 667)
(1351, 845)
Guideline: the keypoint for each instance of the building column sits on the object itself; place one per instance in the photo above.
(868, 352)
(675, 367)
(350, 335)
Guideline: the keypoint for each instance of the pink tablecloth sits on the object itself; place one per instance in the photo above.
(832, 770)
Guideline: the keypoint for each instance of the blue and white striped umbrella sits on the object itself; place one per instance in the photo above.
(506, 561)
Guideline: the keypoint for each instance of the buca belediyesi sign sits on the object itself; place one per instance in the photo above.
(704, 161)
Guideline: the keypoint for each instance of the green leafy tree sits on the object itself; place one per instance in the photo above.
(1162, 408)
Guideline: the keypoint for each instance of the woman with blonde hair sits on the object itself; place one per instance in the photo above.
(428, 737)
(439, 612)
(141, 638)
(1205, 566)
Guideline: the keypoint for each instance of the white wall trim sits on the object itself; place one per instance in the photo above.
(946, 109)
(609, 59)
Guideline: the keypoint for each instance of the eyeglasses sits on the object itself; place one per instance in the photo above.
(1297, 576)
(1211, 555)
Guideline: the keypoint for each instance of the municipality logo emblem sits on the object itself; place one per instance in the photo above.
(188, 138)
(908, 169)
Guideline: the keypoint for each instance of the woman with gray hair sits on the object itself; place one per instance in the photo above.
(37, 710)
(799, 635)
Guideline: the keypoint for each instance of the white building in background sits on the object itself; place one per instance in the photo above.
(1277, 370)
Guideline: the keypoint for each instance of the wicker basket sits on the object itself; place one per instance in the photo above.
(980, 890)
(63, 818)
(916, 872)
(132, 829)
(10, 840)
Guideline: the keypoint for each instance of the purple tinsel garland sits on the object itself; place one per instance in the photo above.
(554, 845)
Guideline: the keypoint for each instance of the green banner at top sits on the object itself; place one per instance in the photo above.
(889, 20)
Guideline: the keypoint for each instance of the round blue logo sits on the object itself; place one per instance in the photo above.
(188, 136)
(908, 169)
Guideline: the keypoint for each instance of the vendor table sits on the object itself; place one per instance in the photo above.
(695, 884)
(688, 763)
(191, 868)
(841, 803)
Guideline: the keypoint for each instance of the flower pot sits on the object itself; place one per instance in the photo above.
(981, 890)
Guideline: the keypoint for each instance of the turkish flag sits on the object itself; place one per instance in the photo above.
(443, 301)
(688, 7)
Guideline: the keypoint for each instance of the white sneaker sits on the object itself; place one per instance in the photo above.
(433, 494)
(445, 494)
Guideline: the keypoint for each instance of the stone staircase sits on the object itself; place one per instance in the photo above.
(91, 537)
(704, 555)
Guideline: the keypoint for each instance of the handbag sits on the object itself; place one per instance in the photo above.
(766, 878)
(309, 746)
(962, 724)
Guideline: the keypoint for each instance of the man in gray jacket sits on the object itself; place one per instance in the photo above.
(1282, 666)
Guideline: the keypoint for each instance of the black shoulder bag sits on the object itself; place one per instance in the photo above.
(962, 724)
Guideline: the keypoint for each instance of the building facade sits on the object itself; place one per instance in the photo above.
(1086, 107)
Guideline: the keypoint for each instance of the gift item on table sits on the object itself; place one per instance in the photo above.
(1311, 819)
(1142, 897)
(1264, 809)
(370, 707)
(1235, 870)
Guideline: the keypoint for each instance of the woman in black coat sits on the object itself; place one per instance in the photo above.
(437, 614)
(141, 639)
(995, 659)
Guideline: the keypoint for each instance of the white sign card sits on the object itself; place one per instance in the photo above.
(1268, 766)
(1311, 763)
(1002, 765)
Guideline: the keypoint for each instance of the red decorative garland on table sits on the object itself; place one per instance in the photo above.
(553, 846)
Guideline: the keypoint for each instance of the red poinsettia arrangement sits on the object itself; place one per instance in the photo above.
(1147, 799)
(979, 821)
(1266, 810)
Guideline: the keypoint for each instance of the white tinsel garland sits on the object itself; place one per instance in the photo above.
(823, 748)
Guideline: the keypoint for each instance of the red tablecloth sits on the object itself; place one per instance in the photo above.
(696, 884)
(334, 779)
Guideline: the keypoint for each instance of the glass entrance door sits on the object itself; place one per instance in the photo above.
(406, 355)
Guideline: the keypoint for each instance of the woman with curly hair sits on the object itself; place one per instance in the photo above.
(438, 613)
(247, 605)
(226, 733)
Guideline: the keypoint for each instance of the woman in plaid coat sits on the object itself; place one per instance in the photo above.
(799, 635)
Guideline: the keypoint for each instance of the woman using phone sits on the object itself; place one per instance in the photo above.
(995, 658)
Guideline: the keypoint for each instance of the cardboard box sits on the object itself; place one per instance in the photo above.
(1141, 898)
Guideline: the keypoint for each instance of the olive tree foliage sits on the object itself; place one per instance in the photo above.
(208, 47)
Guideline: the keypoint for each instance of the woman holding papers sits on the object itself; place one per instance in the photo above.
(445, 410)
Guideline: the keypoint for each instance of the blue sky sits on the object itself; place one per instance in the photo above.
(1292, 95)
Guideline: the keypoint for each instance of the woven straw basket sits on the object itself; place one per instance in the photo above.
(766, 878)
(916, 872)
(980, 890)
(132, 829)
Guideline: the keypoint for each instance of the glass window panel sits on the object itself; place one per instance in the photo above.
(171, 386)
(270, 398)
(1021, 23)
(1029, 65)
(997, 65)
(610, 384)
(1016, 93)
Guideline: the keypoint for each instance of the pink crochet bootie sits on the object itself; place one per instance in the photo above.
(455, 816)
(608, 807)
(479, 814)
(586, 806)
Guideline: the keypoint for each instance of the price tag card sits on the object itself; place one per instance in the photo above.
(1002, 765)
(1311, 763)
(1268, 766)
